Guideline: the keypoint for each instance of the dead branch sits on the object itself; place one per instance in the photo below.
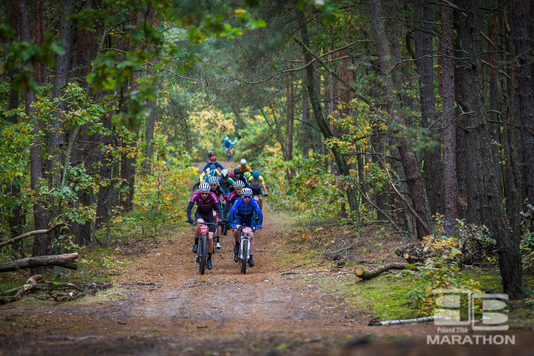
(365, 275)
(66, 261)
(30, 284)
(31, 233)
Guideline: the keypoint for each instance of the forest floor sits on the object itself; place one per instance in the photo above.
(160, 305)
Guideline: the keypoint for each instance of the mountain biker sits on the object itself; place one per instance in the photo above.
(213, 160)
(242, 213)
(216, 189)
(256, 184)
(227, 143)
(238, 175)
(226, 183)
(244, 166)
(238, 186)
(205, 173)
(206, 203)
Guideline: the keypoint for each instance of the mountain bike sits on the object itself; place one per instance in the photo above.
(228, 154)
(244, 246)
(203, 244)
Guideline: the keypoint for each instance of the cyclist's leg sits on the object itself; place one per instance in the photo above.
(210, 244)
(251, 237)
(236, 232)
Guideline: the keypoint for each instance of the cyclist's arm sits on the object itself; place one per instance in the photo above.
(258, 211)
(206, 167)
(189, 207)
(217, 208)
(226, 207)
(232, 212)
(263, 184)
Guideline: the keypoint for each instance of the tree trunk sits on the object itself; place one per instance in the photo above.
(61, 75)
(449, 130)
(41, 242)
(150, 124)
(485, 198)
(306, 129)
(524, 89)
(290, 116)
(16, 219)
(433, 166)
(411, 167)
(318, 114)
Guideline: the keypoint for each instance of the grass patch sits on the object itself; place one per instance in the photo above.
(385, 297)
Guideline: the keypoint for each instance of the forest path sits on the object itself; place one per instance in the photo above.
(169, 309)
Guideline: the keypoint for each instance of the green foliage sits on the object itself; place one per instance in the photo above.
(160, 197)
(15, 143)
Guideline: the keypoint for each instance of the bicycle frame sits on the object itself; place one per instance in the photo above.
(244, 246)
(203, 244)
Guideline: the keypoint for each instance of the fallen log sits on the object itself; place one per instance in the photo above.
(363, 274)
(66, 261)
(376, 322)
(28, 234)
(30, 284)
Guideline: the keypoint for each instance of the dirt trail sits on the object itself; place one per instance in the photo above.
(170, 309)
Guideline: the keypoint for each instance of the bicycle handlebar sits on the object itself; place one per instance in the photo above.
(201, 223)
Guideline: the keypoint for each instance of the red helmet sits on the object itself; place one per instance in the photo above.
(231, 174)
(213, 158)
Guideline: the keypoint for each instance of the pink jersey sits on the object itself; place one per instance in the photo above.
(204, 205)
(232, 198)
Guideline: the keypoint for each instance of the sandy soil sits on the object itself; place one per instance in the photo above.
(169, 309)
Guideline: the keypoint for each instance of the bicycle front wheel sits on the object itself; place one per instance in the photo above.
(244, 259)
(203, 258)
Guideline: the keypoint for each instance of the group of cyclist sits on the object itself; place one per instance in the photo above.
(233, 197)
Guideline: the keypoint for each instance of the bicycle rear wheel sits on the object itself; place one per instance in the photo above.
(195, 187)
(244, 259)
(203, 253)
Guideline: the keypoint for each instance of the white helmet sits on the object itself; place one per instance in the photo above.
(247, 192)
(243, 162)
(224, 173)
(213, 180)
(204, 187)
(239, 184)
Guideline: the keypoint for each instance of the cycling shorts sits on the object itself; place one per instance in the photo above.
(207, 216)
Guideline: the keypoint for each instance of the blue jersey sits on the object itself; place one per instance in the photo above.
(217, 164)
(245, 211)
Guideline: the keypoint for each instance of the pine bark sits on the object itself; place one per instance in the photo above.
(61, 75)
(41, 242)
(524, 89)
(433, 165)
(411, 167)
(16, 218)
(482, 187)
(449, 129)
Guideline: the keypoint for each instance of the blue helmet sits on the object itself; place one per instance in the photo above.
(212, 167)
(255, 174)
